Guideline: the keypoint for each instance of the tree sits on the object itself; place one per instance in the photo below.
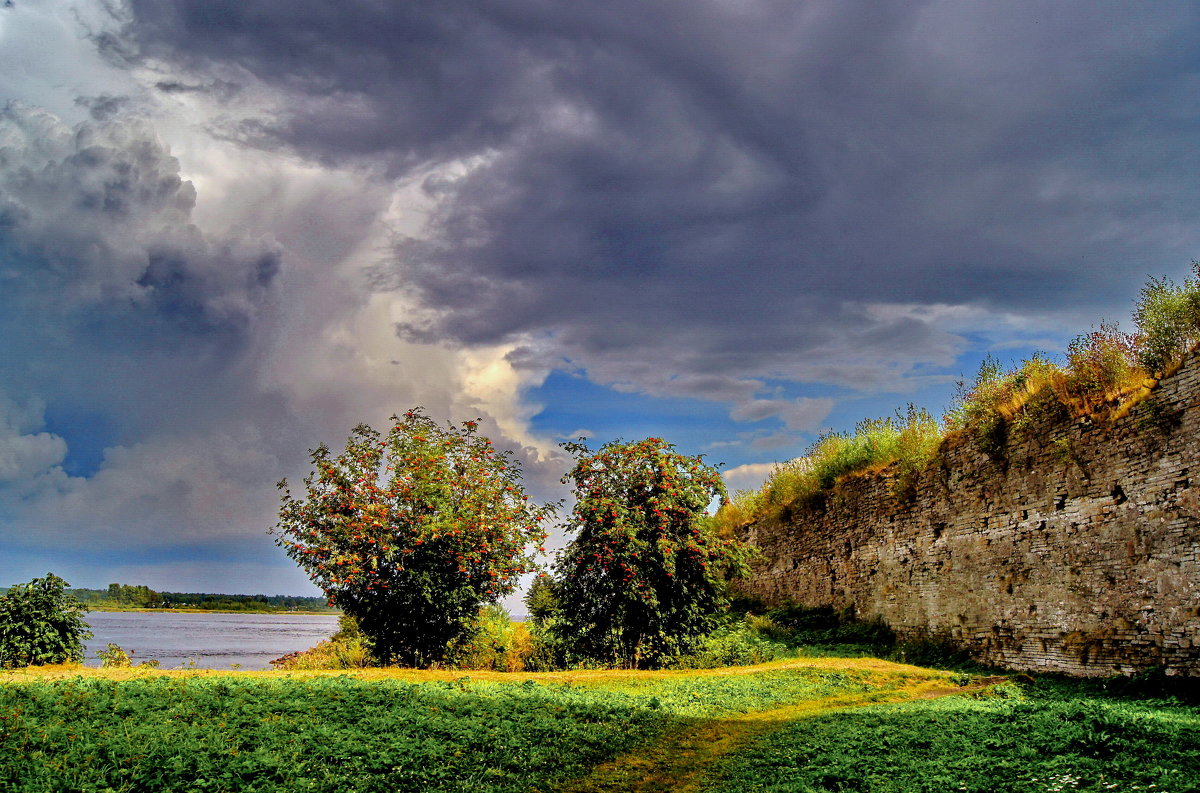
(41, 624)
(645, 576)
(410, 533)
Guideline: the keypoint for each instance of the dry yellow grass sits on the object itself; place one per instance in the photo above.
(34, 674)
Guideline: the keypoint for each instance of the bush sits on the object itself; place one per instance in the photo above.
(411, 533)
(114, 657)
(1168, 321)
(494, 643)
(337, 652)
(645, 576)
(799, 625)
(41, 624)
(1102, 364)
(547, 649)
(936, 650)
(742, 643)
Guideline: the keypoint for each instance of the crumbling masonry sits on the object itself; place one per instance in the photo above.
(1073, 547)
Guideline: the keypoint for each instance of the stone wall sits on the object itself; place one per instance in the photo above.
(1074, 547)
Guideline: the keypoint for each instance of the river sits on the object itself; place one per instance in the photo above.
(206, 641)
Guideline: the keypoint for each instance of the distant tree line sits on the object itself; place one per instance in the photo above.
(141, 596)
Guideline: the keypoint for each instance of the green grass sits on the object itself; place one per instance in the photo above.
(702, 696)
(1051, 736)
(347, 733)
(397, 730)
(322, 734)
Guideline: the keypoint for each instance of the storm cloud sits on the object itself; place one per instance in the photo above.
(239, 227)
(674, 195)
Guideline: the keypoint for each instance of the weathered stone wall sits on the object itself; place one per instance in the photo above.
(1075, 549)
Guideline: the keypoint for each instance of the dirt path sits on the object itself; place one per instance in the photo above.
(680, 761)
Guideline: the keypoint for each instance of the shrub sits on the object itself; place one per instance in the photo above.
(937, 650)
(1101, 364)
(976, 403)
(739, 644)
(494, 643)
(113, 657)
(1168, 321)
(41, 624)
(337, 652)
(410, 533)
(644, 576)
(822, 625)
(547, 649)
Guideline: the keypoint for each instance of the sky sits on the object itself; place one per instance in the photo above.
(232, 230)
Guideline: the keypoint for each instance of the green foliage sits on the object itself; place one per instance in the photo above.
(136, 596)
(114, 657)
(741, 643)
(801, 626)
(540, 601)
(130, 596)
(336, 734)
(1051, 737)
(936, 651)
(976, 402)
(337, 652)
(494, 643)
(547, 649)
(906, 441)
(1103, 361)
(644, 576)
(1168, 321)
(41, 624)
(410, 533)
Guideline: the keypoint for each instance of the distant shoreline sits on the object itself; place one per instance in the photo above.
(186, 610)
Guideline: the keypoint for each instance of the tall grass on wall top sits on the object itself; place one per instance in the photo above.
(1105, 374)
(906, 441)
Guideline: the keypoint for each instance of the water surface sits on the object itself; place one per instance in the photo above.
(209, 641)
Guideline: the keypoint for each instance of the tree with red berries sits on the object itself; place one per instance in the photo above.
(412, 531)
(645, 576)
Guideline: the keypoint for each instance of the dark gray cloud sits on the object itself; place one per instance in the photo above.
(105, 107)
(113, 301)
(695, 197)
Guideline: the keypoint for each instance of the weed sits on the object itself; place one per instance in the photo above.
(739, 644)
(1168, 321)
(113, 657)
(937, 650)
(904, 443)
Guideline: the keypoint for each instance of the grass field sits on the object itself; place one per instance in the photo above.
(801, 725)
(1051, 736)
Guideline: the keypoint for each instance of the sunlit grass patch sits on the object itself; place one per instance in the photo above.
(385, 729)
(1050, 738)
